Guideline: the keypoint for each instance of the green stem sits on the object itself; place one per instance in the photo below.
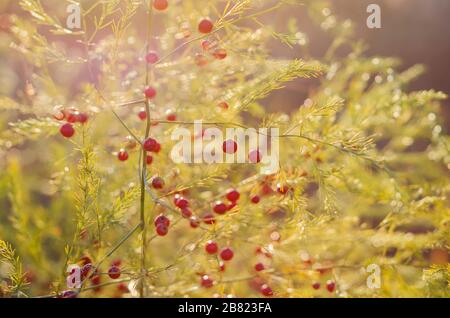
(144, 161)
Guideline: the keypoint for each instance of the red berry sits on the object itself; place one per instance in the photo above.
(72, 117)
(194, 222)
(205, 26)
(231, 206)
(157, 148)
(67, 130)
(266, 290)
(149, 160)
(162, 230)
(122, 155)
(130, 143)
(226, 254)
(224, 105)
(266, 189)
(158, 183)
(331, 285)
(282, 188)
(186, 213)
(162, 219)
(206, 45)
(83, 118)
(220, 207)
(59, 114)
(233, 195)
(201, 60)
(229, 146)
(96, 280)
(123, 288)
(259, 267)
(171, 117)
(151, 145)
(152, 57)
(316, 285)
(85, 260)
(256, 283)
(206, 281)
(116, 262)
(142, 114)
(255, 156)
(255, 199)
(222, 266)
(160, 5)
(114, 272)
(211, 247)
(176, 198)
(208, 218)
(220, 54)
(85, 270)
(150, 92)
(182, 203)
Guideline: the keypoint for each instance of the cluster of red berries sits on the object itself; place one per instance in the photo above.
(206, 26)
(211, 48)
(114, 271)
(150, 145)
(162, 224)
(259, 283)
(233, 196)
(150, 92)
(183, 204)
(266, 189)
(330, 285)
(219, 207)
(225, 254)
(88, 271)
(71, 116)
(230, 147)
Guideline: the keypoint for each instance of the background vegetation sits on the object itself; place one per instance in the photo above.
(365, 160)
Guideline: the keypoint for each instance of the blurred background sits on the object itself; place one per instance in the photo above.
(415, 31)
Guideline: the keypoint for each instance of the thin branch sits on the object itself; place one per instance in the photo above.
(144, 156)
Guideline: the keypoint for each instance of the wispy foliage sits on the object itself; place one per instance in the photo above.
(15, 275)
(363, 161)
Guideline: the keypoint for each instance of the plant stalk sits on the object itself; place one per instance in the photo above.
(144, 160)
